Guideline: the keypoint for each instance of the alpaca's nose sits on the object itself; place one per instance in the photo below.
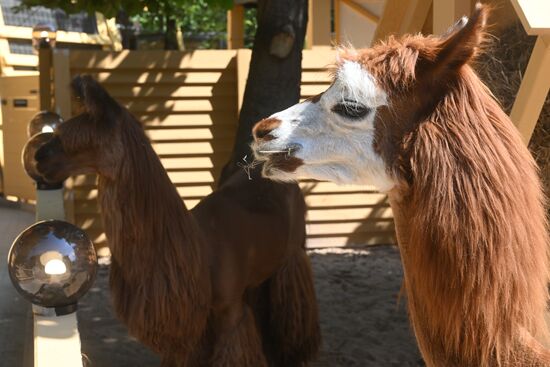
(263, 130)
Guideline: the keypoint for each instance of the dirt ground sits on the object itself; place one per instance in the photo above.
(361, 320)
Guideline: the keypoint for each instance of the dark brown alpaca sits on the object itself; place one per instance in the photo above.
(411, 116)
(226, 284)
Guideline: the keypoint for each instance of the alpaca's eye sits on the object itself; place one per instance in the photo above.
(351, 110)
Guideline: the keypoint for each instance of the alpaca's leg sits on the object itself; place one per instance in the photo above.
(237, 339)
(294, 315)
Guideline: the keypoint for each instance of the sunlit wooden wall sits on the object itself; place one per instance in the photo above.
(189, 105)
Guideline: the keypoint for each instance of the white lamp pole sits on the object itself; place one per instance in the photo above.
(63, 271)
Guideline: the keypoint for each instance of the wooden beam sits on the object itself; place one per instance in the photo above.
(61, 83)
(402, 16)
(337, 15)
(416, 17)
(364, 12)
(447, 12)
(61, 36)
(243, 66)
(534, 15)
(318, 26)
(235, 27)
(533, 89)
(45, 78)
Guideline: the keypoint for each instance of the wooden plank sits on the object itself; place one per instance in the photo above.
(170, 119)
(365, 226)
(20, 60)
(235, 27)
(153, 59)
(318, 32)
(318, 59)
(402, 16)
(155, 78)
(217, 104)
(337, 27)
(352, 240)
(61, 83)
(10, 31)
(193, 148)
(359, 9)
(45, 78)
(191, 177)
(169, 91)
(211, 133)
(329, 214)
(14, 124)
(321, 77)
(533, 89)
(320, 187)
(243, 67)
(344, 199)
(313, 90)
(204, 162)
(534, 15)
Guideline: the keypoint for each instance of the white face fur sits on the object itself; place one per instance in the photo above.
(333, 136)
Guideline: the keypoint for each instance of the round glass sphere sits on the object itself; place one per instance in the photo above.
(52, 263)
(29, 163)
(43, 122)
(43, 35)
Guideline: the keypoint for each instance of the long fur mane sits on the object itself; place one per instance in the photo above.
(478, 240)
(142, 274)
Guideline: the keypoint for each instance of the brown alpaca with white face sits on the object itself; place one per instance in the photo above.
(410, 116)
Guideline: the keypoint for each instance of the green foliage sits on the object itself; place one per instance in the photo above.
(202, 21)
(196, 18)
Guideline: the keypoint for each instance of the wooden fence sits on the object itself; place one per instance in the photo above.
(189, 103)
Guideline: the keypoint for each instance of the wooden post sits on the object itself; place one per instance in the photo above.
(318, 26)
(243, 66)
(235, 27)
(61, 83)
(45, 78)
(56, 341)
(533, 89)
(337, 31)
(402, 16)
(447, 12)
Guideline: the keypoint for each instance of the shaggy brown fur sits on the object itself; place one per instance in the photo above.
(181, 280)
(469, 206)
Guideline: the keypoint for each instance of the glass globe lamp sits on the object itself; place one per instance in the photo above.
(43, 122)
(52, 264)
(29, 162)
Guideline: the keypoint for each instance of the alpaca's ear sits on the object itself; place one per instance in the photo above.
(462, 41)
(93, 98)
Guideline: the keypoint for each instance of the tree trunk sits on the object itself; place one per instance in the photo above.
(171, 35)
(275, 69)
(126, 31)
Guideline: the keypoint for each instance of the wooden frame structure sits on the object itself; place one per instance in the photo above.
(534, 88)
(107, 37)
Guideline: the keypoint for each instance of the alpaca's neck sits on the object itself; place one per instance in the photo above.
(146, 221)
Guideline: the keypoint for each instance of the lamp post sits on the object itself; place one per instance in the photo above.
(51, 263)
(49, 196)
(44, 37)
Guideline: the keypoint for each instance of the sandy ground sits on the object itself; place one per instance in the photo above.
(361, 321)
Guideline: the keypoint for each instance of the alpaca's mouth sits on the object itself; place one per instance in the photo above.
(279, 159)
(271, 153)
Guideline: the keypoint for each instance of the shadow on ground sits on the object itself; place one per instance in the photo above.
(362, 323)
